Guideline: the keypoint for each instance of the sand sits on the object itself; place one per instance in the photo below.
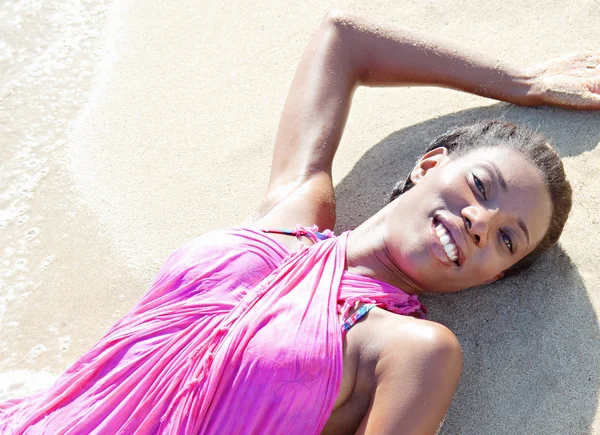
(129, 127)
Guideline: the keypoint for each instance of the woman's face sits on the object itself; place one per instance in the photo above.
(468, 219)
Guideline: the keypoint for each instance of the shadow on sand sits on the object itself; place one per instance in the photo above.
(530, 342)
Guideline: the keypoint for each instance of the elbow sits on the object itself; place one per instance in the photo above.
(340, 20)
(335, 17)
(340, 31)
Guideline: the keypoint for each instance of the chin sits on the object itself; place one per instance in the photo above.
(448, 290)
(422, 274)
(431, 281)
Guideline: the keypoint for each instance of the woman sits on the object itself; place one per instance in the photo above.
(248, 331)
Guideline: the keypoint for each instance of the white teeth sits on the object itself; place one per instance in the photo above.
(447, 242)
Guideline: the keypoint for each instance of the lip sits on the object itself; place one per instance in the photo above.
(455, 232)
(437, 249)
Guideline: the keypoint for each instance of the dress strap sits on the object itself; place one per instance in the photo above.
(358, 314)
(310, 232)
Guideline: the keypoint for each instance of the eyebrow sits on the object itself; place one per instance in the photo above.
(524, 228)
(498, 174)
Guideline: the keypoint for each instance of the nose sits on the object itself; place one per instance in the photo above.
(477, 220)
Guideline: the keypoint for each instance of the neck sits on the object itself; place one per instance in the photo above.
(367, 255)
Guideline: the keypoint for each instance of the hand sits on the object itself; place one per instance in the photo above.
(571, 82)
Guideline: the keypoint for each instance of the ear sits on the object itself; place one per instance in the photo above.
(494, 279)
(432, 159)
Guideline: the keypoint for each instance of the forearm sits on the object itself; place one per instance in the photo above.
(347, 51)
(386, 55)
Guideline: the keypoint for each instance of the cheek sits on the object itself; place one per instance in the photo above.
(453, 187)
(489, 264)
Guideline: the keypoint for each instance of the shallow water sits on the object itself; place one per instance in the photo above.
(49, 54)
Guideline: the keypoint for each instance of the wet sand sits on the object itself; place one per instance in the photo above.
(128, 128)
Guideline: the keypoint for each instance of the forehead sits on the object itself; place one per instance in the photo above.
(525, 196)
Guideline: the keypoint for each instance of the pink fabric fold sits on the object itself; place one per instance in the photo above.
(235, 335)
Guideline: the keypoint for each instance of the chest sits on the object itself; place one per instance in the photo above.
(358, 381)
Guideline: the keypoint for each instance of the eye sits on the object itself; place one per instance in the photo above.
(507, 241)
(479, 185)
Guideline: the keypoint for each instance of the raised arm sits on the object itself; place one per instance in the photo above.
(347, 51)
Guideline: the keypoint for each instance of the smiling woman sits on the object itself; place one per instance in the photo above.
(535, 149)
(484, 222)
(493, 195)
(277, 327)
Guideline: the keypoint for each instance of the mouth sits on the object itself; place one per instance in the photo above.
(446, 246)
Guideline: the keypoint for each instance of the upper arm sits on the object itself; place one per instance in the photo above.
(300, 187)
(416, 380)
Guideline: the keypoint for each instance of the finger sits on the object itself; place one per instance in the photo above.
(590, 101)
(591, 70)
(584, 100)
(592, 62)
(593, 57)
(594, 86)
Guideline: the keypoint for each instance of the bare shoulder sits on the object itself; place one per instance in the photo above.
(410, 348)
(417, 370)
(391, 330)
(398, 364)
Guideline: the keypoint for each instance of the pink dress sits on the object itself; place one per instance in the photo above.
(235, 336)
